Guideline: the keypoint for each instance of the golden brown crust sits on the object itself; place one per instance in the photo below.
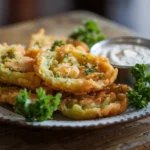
(13, 57)
(8, 94)
(41, 42)
(108, 102)
(74, 71)
(79, 45)
(16, 68)
(69, 68)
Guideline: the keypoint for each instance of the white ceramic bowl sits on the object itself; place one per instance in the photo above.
(124, 74)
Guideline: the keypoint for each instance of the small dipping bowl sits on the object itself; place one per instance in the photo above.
(124, 74)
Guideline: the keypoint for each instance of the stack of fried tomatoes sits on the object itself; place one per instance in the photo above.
(85, 81)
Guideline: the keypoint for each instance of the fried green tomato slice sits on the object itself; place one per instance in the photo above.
(71, 70)
(108, 102)
(41, 42)
(16, 68)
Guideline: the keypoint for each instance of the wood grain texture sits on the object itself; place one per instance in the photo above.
(127, 136)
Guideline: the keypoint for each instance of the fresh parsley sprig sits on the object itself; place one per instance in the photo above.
(139, 96)
(89, 33)
(41, 109)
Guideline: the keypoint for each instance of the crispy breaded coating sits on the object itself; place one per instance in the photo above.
(16, 68)
(62, 64)
(41, 42)
(71, 70)
(13, 57)
(8, 94)
(79, 45)
(108, 102)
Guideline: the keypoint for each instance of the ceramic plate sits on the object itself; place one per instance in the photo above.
(7, 115)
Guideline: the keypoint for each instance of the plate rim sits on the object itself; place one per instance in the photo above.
(94, 123)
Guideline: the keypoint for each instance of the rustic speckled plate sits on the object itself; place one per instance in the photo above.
(59, 121)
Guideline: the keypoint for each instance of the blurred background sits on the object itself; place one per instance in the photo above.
(130, 13)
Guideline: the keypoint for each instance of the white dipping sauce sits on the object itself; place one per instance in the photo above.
(124, 54)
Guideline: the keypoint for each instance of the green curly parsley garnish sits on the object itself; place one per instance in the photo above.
(89, 33)
(41, 109)
(57, 43)
(140, 95)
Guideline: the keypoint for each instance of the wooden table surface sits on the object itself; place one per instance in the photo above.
(133, 136)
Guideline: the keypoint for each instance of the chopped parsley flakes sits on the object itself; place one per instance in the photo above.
(38, 44)
(57, 43)
(9, 54)
(101, 76)
(66, 55)
(57, 75)
(89, 71)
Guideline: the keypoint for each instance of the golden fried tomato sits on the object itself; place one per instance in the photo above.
(40, 42)
(16, 68)
(69, 69)
(108, 102)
